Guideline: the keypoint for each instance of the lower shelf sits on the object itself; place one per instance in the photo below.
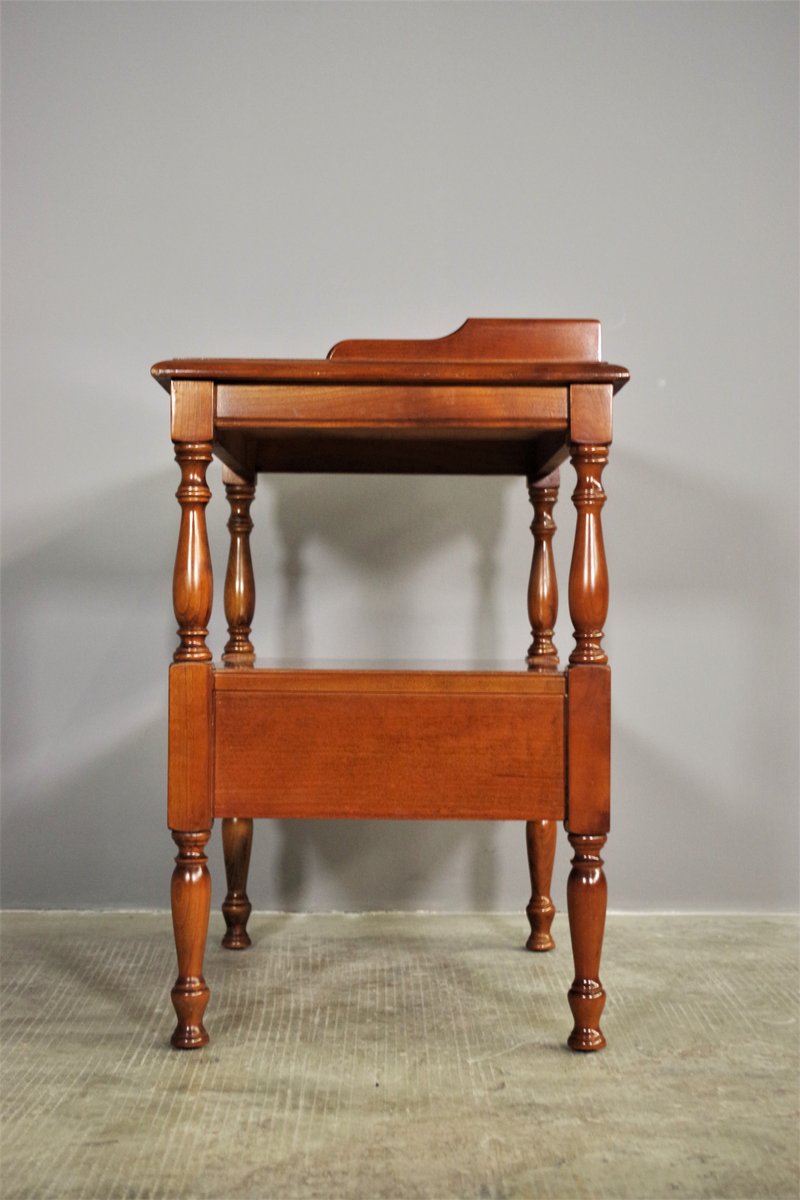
(428, 744)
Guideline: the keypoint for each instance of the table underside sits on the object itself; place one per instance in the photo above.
(432, 452)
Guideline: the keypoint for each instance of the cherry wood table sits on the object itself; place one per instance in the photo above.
(497, 397)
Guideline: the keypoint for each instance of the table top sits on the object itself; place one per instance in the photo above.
(385, 371)
(482, 350)
(493, 397)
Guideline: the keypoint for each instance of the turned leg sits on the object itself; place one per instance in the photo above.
(191, 902)
(192, 586)
(588, 574)
(542, 585)
(542, 656)
(586, 903)
(190, 776)
(541, 840)
(588, 713)
(237, 839)
(240, 588)
(240, 599)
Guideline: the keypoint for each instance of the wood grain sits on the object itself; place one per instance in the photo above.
(588, 572)
(586, 905)
(191, 411)
(192, 579)
(316, 370)
(380, 406)
(460, 678)
(189, 803)
(590, 412)
(589, 749)
(237, 843)
(240, 586)
(540, 839)
(492, 338)
(542, 583)
(402, 754)
(191, 902)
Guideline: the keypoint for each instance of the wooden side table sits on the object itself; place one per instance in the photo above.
(528, 743)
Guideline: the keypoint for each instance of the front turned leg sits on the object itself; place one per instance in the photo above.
(586, 903)
(237, 840)
(191, 903)
(541, 840)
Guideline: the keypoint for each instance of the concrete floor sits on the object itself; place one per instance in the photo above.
(399, 1056)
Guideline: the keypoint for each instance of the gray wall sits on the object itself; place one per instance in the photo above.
(264, 179)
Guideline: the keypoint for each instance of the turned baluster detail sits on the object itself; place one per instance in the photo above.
(588, 576)
(542, 585)
(192, 586)
(237, 840)
(586, 904)
(541, 841)
(240, 588)
(191, 903)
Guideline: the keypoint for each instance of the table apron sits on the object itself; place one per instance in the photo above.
(365, 406)
(372, 755)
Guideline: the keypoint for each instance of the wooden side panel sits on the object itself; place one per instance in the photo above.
(588, 749)
(189, 801)
(404, 754)
(493, 338)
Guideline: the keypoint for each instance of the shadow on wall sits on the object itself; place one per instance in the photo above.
(383, 527)
(88, 632)
(87, 629)
(705, 746)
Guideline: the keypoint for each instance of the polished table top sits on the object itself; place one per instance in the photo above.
(491, 398)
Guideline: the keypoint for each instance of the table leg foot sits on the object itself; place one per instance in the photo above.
(586, 903)
(237, 840)
(540, 837)
(191, 903)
